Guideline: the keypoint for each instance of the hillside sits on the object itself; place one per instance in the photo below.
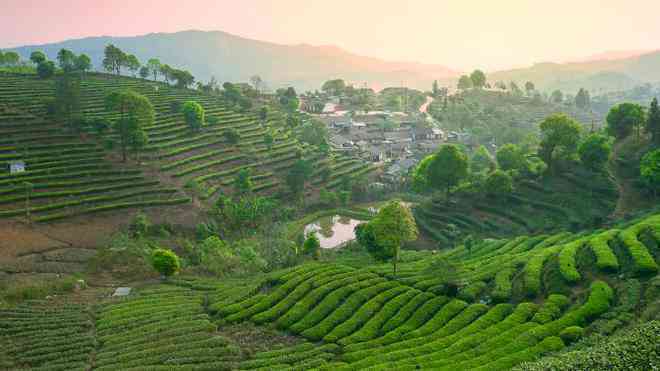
(595, 75)
(233, 58)
(493, 307)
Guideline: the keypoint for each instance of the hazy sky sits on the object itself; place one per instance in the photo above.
(461, 34)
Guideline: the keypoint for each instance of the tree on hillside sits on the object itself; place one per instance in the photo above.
(257, 83)
(515, 90)
(269, 139)
(314, 132)
(560, 136)
(653, 122)
(448, 167)
(334, 87)
(649, 169)
(478, 79)
(67, 100)
(114, 59)
(312, 246)
(154, 67)
(435, 89)
(464, 82)
(193, 114)
(392, 227)
(144, 72)
(557, 97)
(83, 64)
(511, 157)
(135, 112)
(166, 71)
(132, 63)
(165, 262)
(242, 182)
(582, 99)
(529, 88)
(499, 184)
(298, 176)
(2, 58)
(66, 59)
(37, 57)
(11, 59)
(183, 78)
(46, 69)
(288, 99)
(595, 151)
(482, 160)
(623, 118)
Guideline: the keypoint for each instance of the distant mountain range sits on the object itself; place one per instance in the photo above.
(233, 58)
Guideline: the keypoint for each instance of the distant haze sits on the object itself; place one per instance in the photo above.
(459, 34)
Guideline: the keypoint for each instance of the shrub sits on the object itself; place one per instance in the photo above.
(551, 309)
(567, 262)
(642, 259)
(571, 334)
(605, 259)
(165, 262)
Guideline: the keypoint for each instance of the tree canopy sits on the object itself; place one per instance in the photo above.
(136, 112)
(464, 82)
(595, 151)
(478, 79)
(193, 114)
(511, 157)
(37, 57)
(649, 169)
(623, 118)
(448, 167)
(653, 122)
(560, 136)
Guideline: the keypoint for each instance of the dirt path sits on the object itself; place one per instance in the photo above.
(629, 197)
(425, 107)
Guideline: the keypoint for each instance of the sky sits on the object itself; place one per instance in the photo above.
(460, 34)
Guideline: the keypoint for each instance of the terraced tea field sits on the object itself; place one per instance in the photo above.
(73, 174)
(493, 307)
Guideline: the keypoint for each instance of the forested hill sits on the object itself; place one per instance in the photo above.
(233, 58)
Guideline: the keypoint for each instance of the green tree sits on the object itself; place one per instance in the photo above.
(165, 262)
(232, 136)
(582, 99)
(83, 63)
(298, 176)
(595, 151)
(135, 112)
(144, 72)
(560, 136)
(193, 114)
(448, 167)
(154, 67)
(511, 157)
(243, 182)
(66, 60)
(314, 132)
(499, 184)
(67, 99)
(137, 141)
(166, 71)
(623, 118)
(132, 63)
(653, 122)
(482, 160)
(557, 97)
(11, 58)
(464, 82)
(392, 227)
(183, 78)
(37, 57)
(478, 79)
(263, 114)
(46, 69)
(269, 140)
(114, 59)
(529, 87)
(334, 87)
(312, 245)
(649, 169)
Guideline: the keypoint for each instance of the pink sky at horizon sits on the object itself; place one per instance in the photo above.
(459, 34)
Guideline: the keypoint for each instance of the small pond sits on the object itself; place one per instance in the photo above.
(333, 231)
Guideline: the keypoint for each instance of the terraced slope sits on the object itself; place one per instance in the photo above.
(562, 202)
(71, 170)
(496, 306)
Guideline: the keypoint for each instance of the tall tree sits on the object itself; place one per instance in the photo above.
(11, 58)
(135, 112)
(154, 67)
(243, 182)
(132, 63)
(464, 82)
(649, 169)
(529, 87)
(623, 118)
(183, 78)
(37, 57)
(257, 82)
(66, 60)
(298, 176)
(448, 167)
(392, 227)
(83, 63)
(482, 160)
(653, 122)
(478, 78)
(114, 59)
(67, 99)
(334, 87)
(557, 97)
(46, 69)
(582, 99)
(144, 72)
(166, 71)
(193, 114)
(511, 157)
(595, 151)
(560, 134)
(435, 88)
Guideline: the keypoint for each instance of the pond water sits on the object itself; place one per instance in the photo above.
(333, 231)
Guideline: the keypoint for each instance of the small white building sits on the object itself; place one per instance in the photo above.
(16, 167)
